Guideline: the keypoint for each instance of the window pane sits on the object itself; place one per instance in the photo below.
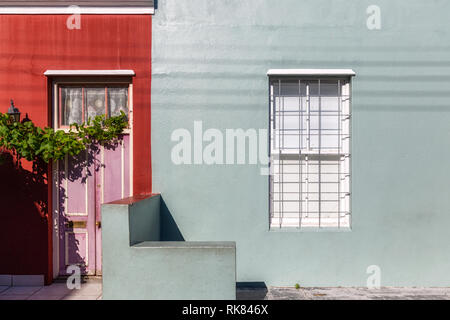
(313, 88)
(329, 88)
(288, 88)
(292, 88)
(71, 106)
(117, 101)
(95, 102)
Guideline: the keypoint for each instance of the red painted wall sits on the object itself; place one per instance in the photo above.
(29, 45)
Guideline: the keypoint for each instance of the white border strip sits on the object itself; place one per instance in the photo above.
(89, 73)
(83, 10)
(311, 72)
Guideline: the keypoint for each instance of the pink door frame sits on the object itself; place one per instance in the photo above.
(105, 191)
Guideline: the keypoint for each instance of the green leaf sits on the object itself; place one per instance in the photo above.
(34, 143)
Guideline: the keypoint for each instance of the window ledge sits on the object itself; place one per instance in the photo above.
(50, 73)
(311, 72)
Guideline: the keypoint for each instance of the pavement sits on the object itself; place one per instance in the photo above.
(386, 293)
(92, 290)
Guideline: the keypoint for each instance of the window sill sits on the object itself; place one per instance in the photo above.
(52, 73)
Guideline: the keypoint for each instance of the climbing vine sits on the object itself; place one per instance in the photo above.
(33, 143)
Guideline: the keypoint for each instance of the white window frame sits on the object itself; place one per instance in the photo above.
(305, 156)
(62, 78)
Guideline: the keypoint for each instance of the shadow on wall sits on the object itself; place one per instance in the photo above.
(25, 235)
(24, 217)
(169, 228)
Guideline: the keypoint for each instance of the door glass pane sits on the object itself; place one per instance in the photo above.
(117, 101)
(71, 106)
(95, 102)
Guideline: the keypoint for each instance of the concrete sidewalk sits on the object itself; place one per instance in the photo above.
(276, 293)
(92, 290)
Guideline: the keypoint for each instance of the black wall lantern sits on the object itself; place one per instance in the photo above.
(13, 112)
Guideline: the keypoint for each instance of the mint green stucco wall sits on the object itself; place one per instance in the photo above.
(210, 60)
(138, 265)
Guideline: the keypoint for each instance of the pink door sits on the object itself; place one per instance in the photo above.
(97, 176)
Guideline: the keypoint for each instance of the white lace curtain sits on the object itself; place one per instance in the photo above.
(72, 106)
(95, 103)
